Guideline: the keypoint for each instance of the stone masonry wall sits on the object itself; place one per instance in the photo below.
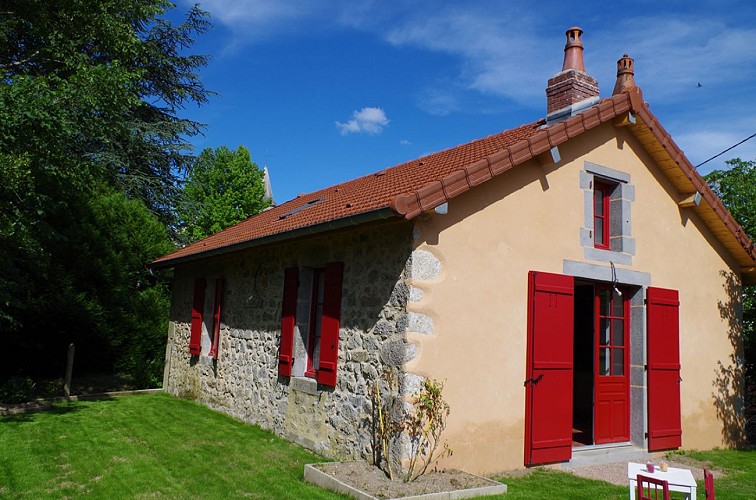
(243, 382)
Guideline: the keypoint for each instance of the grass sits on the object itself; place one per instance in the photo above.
(739, 482)
(160, 446)
(739, 467)
(544, 483)
(147, 445)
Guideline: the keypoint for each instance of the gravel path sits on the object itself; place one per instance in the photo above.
(616, 472)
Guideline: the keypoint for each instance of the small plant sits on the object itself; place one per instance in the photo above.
(421, 423)
(424, 427)
(387, 421)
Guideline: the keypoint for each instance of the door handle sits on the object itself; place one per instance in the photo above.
(533, 380)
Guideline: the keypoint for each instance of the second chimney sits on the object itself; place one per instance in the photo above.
(572, 89)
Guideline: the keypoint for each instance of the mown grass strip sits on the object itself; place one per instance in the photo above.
(157, 445)
(152, 445)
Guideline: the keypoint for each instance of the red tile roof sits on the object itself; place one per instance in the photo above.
(411, 188)
(365, 194)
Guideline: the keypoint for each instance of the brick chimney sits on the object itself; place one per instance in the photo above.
(625, 72)
(572, 89)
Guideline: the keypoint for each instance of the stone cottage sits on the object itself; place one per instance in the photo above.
(574, 282)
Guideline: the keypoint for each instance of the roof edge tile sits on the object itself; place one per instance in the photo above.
(412, 204)
(699, 184)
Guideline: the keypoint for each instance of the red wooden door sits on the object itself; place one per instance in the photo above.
(548, 384)
(611, 406)
(663, 354)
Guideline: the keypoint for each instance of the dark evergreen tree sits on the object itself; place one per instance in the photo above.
(92, 150)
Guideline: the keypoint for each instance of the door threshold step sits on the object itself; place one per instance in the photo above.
(604, 454)
(593, 447)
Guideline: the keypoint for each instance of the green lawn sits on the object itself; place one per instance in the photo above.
(739, 482)
(160, 446)
(543, 483)
(150, 445)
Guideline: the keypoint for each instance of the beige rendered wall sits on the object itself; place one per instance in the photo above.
(530, 219)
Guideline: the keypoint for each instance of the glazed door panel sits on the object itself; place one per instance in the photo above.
(611, 420)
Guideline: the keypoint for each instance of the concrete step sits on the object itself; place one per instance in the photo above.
(603, 454)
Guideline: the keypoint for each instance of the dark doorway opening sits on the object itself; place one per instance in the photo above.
(583, 377)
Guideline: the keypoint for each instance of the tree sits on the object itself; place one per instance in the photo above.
(101, 84)
(736, 187)
(223, 188)
(90, 145)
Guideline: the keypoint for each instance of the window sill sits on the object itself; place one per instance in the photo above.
(304, 384)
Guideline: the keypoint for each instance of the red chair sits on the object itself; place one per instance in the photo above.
(709, 485)
(652, 487)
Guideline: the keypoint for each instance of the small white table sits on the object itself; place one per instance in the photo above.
(678, 479)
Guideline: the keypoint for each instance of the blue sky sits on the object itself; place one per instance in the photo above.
(326, 91)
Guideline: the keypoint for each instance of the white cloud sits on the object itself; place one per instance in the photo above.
(405, 142)
(500, 53)
(439, 101)
(256, 13)
(700, 145)
(674, 53)
(367, 120)
(510, 52)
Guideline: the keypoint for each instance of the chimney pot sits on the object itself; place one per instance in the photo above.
(625, 74)
(573, 50)
(572, 89)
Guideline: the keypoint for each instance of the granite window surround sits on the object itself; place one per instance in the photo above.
(317, 313)
(621, 243)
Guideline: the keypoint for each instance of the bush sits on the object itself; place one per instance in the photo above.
(17, 389)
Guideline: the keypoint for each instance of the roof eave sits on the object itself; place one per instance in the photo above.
(698, 184)
(433, 194)
(379, 214)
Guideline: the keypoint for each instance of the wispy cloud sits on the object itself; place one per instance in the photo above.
(498, 53)
(439, 101)
(510, 52)
(367, 120)
(705, 144)
(405, 142)
(676, 52)
(257, 13)
(724, 128)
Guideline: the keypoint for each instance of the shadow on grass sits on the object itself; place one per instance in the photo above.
(28, 415)
(26, 412)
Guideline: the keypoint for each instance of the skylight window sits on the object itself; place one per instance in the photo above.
(300, 208)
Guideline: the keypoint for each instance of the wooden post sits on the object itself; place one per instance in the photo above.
(69, 371)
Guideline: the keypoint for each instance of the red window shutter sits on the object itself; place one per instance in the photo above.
(548, 386)
(664, 418)
(329, 340)
(288, 321)
(216, 317)
(198, 309)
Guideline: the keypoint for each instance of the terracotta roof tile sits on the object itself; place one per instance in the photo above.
(408, 189)
(365, 194)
